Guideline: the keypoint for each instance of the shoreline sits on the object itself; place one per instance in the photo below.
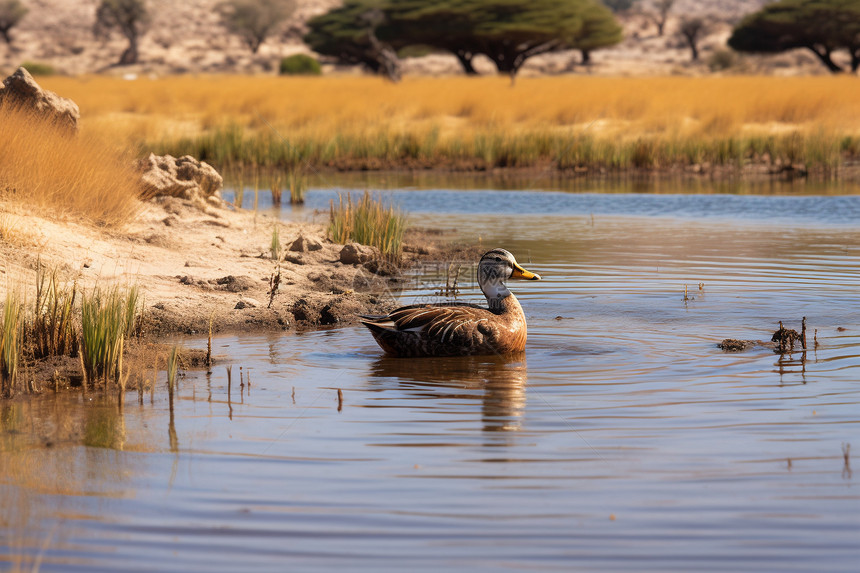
(199, 266)
(756, 173)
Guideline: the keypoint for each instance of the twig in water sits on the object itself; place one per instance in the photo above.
(274, 284)
(339, 399)
(803, 333)
(208, 361)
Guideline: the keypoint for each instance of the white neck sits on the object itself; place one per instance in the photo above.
(495, 290)
(491, 279)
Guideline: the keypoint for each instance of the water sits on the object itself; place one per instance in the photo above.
(622, 439)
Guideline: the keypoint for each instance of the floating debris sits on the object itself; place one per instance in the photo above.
(784, 338)
(782, 341)
(733, 345)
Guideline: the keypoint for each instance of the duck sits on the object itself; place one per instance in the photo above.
(457, 328)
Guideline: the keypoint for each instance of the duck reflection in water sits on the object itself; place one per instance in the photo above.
(501, 378)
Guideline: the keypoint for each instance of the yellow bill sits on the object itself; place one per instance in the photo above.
(521, 273)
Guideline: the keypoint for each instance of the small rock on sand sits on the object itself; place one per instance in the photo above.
(304, 244)
(354, 254)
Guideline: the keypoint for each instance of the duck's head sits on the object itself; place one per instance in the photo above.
(495, 268)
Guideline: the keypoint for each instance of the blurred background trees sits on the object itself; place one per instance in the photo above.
(254, 20)
(821, 26)
(130, 18)
(11, 12)
(508, 32)
(381, 35)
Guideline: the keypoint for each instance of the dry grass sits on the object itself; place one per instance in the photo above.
(299, 108)
(54, 173)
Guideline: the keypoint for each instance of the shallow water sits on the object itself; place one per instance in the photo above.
(623, 439)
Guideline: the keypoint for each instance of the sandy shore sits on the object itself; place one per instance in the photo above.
(192, 265)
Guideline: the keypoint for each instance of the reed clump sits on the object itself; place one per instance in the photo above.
(10, 343)
(298, 185)
(369, 222)
(53, 331)
(108, 316)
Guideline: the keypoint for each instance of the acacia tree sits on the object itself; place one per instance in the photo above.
(11, 12)
(509, 32)
(821, 26)
(599, 30)
(693, 30)
(130, 17)
(444, 25)
(355, 33)
(658, 13)
(254, 20)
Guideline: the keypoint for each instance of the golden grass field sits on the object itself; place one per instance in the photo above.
(457, 106)
(460, 107)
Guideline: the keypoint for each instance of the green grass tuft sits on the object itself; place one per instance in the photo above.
(52, 332)
(369, 222)
(10, 343)
(107, 317)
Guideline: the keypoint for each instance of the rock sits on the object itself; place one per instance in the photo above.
(247, 303)
(295, 259)
(21, 89)
(304, 244)
(235, 284)
(185, 177)
(328, 316)
(354, 254)
(381, 267)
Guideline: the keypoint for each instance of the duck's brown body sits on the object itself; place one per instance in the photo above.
(452, 329)
(459, 329)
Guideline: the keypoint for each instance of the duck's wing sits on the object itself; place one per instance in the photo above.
(434, 320)
(443, 329)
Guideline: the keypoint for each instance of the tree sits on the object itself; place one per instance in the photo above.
(509, 32)
(693, 30)
(130, 17)
(351, 34)
(254, 20)
(599, 30)
(444, 25)
(659, 14)
(821, 26)
(11, 12)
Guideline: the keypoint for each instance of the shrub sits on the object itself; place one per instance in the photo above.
(300, 65)
(39, 69)
(722, 60)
